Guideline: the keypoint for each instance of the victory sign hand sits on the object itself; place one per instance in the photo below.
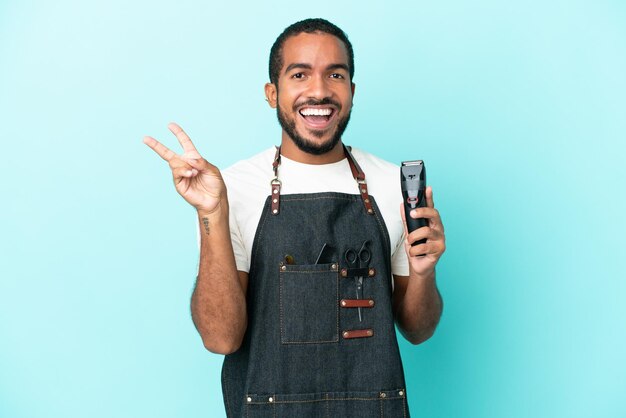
(197, 181)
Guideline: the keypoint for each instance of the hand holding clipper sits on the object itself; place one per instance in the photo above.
(413, 182)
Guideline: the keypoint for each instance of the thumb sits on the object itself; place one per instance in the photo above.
(200, 164)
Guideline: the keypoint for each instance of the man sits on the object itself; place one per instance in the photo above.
(298, 249)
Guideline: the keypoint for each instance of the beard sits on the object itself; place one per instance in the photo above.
(305, 144)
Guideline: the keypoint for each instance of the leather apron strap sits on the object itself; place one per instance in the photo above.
(357, 173)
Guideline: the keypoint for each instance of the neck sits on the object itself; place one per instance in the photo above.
(290, 150)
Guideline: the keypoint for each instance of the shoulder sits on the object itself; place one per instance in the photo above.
(259, 163)
(251, 173)
(375, 167)
(383, 180)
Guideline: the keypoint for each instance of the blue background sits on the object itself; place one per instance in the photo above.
(518, 108)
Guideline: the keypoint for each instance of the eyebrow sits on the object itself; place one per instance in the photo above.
(297, 65)
(338, 67)
(308, 67)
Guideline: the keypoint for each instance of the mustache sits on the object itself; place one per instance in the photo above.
(313, 102)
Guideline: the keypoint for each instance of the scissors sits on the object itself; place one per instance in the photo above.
(358, 260)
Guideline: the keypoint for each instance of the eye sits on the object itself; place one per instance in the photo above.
(298, 76)
(337, 76)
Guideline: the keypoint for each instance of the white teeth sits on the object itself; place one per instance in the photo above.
(309, 111)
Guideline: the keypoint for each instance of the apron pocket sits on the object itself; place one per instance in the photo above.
(384, 404)
(309, 303)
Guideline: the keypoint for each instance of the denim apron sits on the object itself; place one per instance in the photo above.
(313, 348)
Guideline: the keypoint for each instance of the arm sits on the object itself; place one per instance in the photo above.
(417, 306)
(417, 303)
(218, 303)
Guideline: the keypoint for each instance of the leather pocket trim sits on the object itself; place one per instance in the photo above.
(356, 303)
(358, 333)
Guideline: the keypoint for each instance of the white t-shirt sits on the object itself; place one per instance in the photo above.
(248, 185)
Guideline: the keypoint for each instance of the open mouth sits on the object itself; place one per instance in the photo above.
(317, 117)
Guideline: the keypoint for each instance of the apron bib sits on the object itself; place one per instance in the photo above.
(321, 338)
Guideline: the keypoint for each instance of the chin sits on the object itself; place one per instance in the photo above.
(315, 145)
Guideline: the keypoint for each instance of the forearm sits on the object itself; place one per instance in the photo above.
(418, 313)
(218, 303)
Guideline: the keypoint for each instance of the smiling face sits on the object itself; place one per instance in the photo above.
(314, 93)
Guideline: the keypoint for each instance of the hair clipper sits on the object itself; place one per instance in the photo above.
(413, 182)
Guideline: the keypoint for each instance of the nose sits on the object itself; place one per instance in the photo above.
(319, 88)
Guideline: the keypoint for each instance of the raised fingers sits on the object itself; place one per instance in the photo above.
(163, 151)
(182, 137)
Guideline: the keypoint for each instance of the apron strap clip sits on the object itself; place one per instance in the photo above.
(275, 195)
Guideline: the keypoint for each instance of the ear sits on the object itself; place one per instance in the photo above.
(271, 94)
(353, 86)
